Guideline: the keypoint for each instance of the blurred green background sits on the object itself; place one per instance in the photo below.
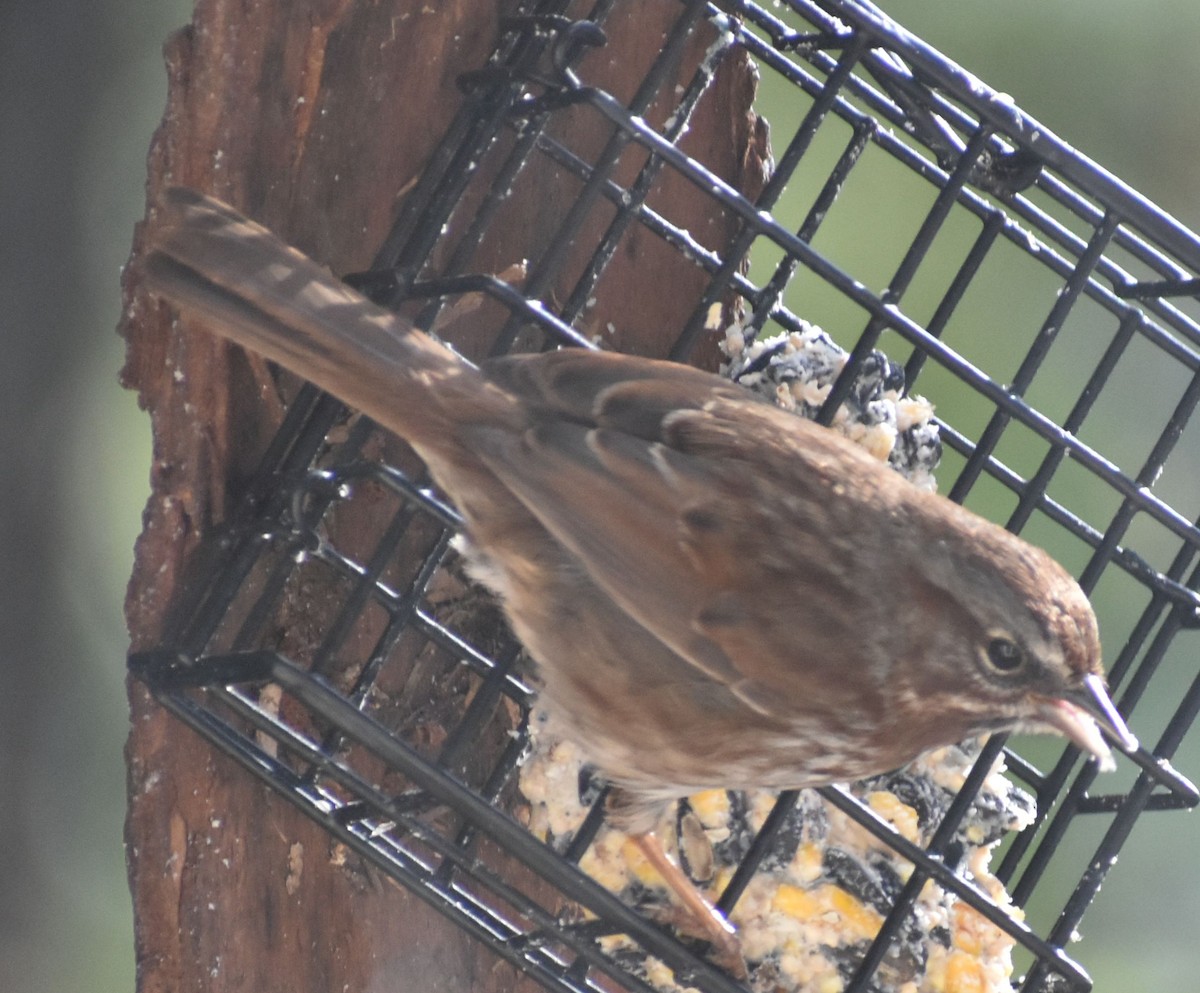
(83, 86)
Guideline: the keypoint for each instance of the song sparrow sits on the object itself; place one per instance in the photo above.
(718, 593)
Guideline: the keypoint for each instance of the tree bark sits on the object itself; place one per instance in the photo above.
(313, 117)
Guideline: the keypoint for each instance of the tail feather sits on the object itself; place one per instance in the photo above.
(250, 287)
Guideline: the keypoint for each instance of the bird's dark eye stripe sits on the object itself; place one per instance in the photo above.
(1005, 654)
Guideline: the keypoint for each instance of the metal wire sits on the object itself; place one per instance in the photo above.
(891, 96)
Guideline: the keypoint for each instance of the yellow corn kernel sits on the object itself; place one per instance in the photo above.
(855, 919)
(966, 930)
(964, 974)
(795, 902)
(975, 934)
(861, 920)
(897, 813)
(711, 806)
(639, 867)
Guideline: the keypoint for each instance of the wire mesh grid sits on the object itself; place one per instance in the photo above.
(1081, 284)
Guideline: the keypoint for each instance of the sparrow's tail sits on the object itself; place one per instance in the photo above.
(248, 286)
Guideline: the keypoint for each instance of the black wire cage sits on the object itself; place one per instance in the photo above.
(1065, 419)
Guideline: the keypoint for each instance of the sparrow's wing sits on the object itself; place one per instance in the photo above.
(658, 491)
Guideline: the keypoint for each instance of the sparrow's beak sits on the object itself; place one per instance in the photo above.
(1081, 715)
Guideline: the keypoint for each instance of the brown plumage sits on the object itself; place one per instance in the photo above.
(719, 593)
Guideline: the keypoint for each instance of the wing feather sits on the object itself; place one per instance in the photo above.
(679, 509)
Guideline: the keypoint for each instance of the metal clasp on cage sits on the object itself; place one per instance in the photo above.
(567, 41)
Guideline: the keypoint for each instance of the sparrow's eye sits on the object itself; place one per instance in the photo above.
(1001, 654)
(1004, 655)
